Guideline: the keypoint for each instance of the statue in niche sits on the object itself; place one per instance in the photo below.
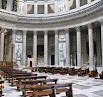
(70, 3)
(64, 5)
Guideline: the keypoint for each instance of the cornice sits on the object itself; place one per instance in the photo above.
(90, 13)
(63, 17)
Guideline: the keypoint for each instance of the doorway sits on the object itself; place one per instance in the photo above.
(52, 59)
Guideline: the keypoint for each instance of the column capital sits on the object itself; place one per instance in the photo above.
(2, 33)
(35, 31)
(90, 25)
(67, 30)
(24, 32)
(45, 31)
(3, 30)
(14, 31)
(77, 28)
(101, 21)
(56, 31)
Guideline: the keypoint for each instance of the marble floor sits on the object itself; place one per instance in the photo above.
(82, 86)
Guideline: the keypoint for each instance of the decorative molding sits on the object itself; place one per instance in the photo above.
(84, 15)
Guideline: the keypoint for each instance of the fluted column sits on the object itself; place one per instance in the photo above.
(56, 49)
(0, 3)
(2, 46)
(24, 47)
(45, 47)
(77, 3)
(79, 62)
(91, 47)
(9, 5)
(13, 44)
(35, 48)
(102, 40)
(67, 48)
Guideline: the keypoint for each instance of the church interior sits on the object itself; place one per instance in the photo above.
(51, 48)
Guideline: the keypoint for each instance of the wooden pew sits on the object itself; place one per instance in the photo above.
(28, 85)
(24, 78)
(101, 75)
(14, 77)
(93, 73)
(1, 87)
(83, 72)
(51, 91)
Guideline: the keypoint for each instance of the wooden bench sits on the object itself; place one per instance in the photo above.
(12, 77)
(101, 75)
(93, 73)
(28, 78)
(28, 85)
(83, 72)
(1, 87)
(51, 91)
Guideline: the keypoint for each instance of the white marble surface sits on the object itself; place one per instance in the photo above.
(82, 86)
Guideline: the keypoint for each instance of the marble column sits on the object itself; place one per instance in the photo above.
(9, 5)
(56, 49)
(35, 48)
(24, 47)
(13, 44)
(88, 1)
(102, 40)
(67, 48)
(77, 3)
(91, 47)
(0, 3)
(45, 48)
(2, 46)
(79, 61)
